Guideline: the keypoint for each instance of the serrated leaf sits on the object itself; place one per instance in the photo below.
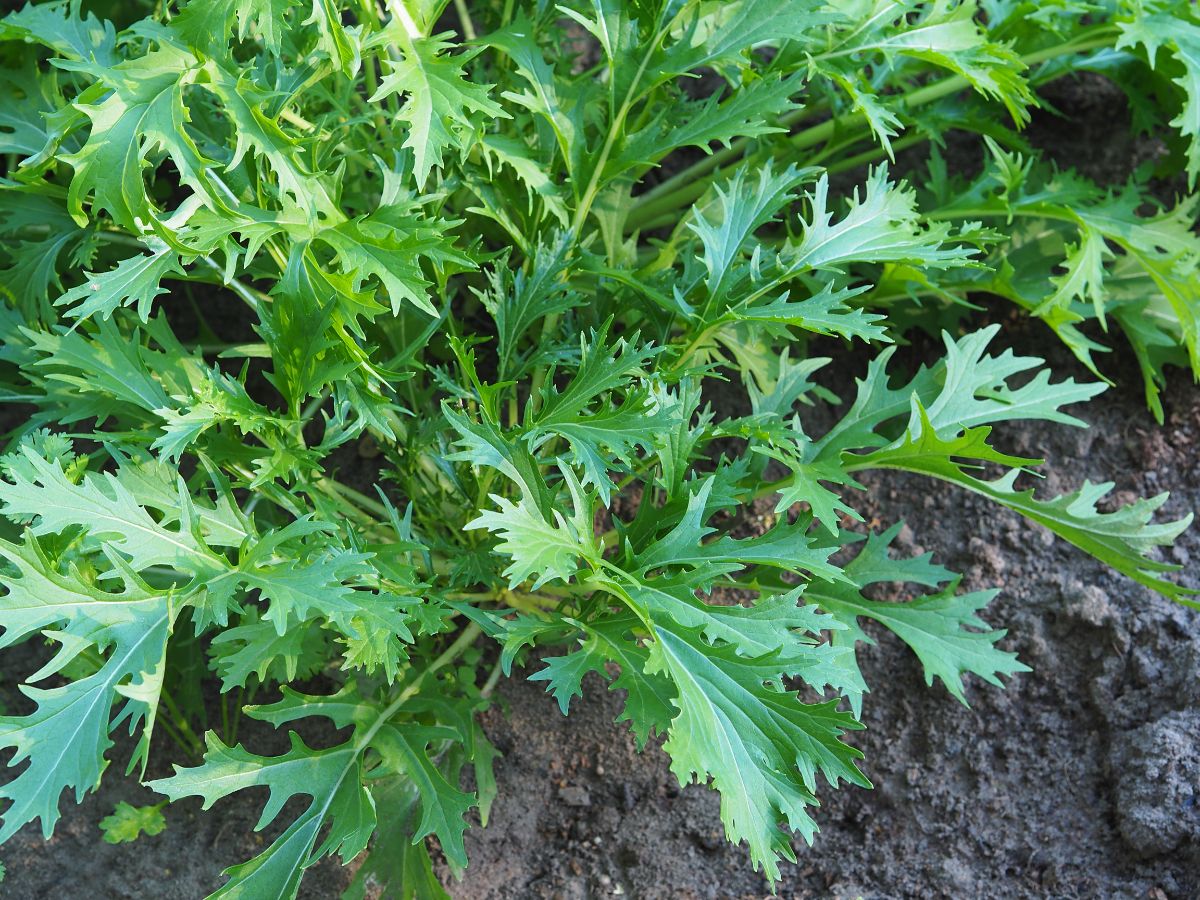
(541, 549)
(143, 110)
(331, 778)
(942, 628)
(65, 739)
(38, 490)
(394, 863)
(439, 101)
(207, 23)
(947, 34)
(390, 251)
(257, 648)
(516, 300)
(746, 113)
(1181, 36)
(134, 282)
(442, 805)
(128, 823)
(742, 207)
(786, 546)
(882, 224)
(760, 745)
(1121, 539)
(66, 29)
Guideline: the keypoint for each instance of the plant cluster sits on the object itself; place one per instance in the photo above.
(513, 249)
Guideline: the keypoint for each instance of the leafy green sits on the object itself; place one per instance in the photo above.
(359, 353)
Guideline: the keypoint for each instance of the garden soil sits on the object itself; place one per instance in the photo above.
(1079, 779)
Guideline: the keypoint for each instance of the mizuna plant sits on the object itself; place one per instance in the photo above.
(509, 246)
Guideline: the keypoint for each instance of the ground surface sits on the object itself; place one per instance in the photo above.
(1079, 780)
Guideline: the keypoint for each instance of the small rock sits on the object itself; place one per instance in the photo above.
(628, 797)
(1158, 782)
(572, 795)
(959, 877)
(1087, 604)
(987, 554)
(710, 841)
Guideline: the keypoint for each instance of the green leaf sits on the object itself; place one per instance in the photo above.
(606, 439)
(881, 225)
(948, 35)
(39, 238)
(258, 135)
(334, 41)
(207, 23)
(648, 696)
(65, 29)
(442, 805)
(389, 248)
(394, 863)
(1180, 34)
(723, 35)
(937, 628)
(40, 490)
(1121, 539)
(134, 282)
(255, 647)
(941, 628)
(744, 114)
(551, 99)
(139, 109)
(826, 312)
(542, 550)
(760, 746)
(601, 368)
(128, 823)
(516, 300)
(439, 101)
(786, 546)
(742, 207)
(65, 739)
(331, 778)
(1116, 258)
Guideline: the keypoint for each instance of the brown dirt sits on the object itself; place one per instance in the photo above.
(1079, 780)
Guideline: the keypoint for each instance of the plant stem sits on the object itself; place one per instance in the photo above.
(588, 198)
(687, 185)
(358, 498)
(449, 655)
(192, 744)
(249, 295)
(853, 162)
(464, 18)
(493, 679)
